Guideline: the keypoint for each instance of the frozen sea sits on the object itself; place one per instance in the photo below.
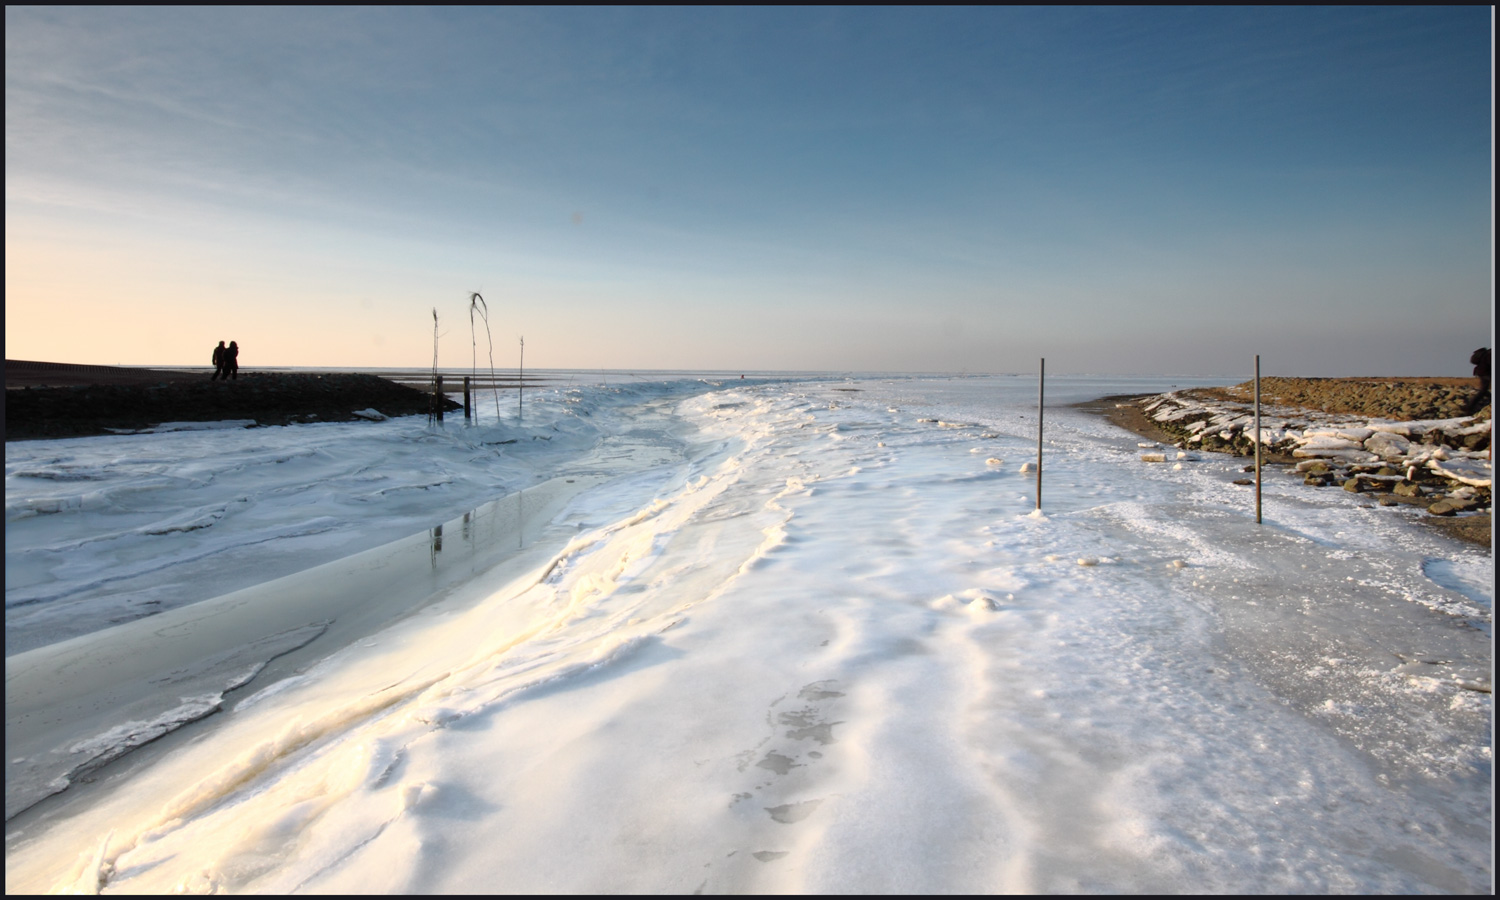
(773, 634)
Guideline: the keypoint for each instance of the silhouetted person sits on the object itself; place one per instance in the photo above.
(219, 353)
(1481, 360)
(232, 360)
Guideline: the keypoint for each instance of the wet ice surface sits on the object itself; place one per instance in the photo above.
(828, 646)
(101, 531)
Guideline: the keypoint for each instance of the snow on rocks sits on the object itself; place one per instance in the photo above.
(1469, 471)
(1312, 442)
(1387, 445)
(1421, 460)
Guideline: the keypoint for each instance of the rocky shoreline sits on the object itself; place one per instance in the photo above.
(103, 407)
(1393, 441)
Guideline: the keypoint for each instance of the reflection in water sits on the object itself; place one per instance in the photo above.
(469, 527)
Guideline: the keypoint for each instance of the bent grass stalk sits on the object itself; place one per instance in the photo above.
(477, 304)
(432, 407)
(473, 347)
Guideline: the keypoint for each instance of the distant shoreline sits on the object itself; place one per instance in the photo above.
(23, 373)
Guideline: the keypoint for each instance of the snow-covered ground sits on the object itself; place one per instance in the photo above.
(779, 636)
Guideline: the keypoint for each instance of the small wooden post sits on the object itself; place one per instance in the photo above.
(1041, 380)
(467, 409)
(1258, 437)
(437, 396)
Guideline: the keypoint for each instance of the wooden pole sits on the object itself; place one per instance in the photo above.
(521, 379)
(467, 412)
(1258, 437)
(1041, 381)
(437, 396)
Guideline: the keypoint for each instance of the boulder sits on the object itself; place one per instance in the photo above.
(1388, 446)
(1325, 441)
(1473, 472)
(1348, 456)
(1407, 489)
(1449, 506)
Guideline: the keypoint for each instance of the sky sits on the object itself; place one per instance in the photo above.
(954, 190)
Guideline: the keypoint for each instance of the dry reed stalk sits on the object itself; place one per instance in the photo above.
(432, 407)
(477, 304)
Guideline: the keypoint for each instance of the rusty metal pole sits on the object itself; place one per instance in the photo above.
(1258, 438)
(1041, 381)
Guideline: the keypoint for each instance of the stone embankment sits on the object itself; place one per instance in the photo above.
(1402, 399)
(1409, 441)
(258, 398)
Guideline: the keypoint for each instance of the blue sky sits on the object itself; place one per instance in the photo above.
(1121, 191)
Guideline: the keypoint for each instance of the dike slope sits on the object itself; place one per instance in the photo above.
(104, 404)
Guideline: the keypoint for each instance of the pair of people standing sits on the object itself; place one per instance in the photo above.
(226, 361)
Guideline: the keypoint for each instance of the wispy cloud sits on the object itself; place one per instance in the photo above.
(813, 156)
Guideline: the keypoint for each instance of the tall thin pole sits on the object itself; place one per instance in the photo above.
(1041, 380)
(521, 373)
(1258, 437)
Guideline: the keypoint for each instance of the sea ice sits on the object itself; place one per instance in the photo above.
(775, 659)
